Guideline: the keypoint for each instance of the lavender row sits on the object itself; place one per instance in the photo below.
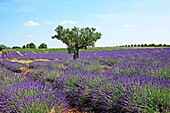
(13, 66)
(29, 96)
(114, 81)
(18, 93)
(7, 77)
(33, 56)
(107, 92)
(61, 55)
(88, 91)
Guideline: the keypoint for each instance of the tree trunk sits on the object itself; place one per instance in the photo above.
(76, 54)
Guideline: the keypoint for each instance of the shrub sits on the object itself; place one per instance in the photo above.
(37, 74)
(42, 46)
(16, 47)
(110, 61)
(94, 66)
(29, 96)
(49, 78)
(148, 99)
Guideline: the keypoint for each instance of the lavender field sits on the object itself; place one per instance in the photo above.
(124, 81)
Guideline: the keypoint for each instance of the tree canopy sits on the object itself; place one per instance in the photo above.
(42, 46)
(2, 47)
(76, 38)
(16, 47)
(29, 45)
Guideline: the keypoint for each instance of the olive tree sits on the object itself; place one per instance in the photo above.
(76, 38)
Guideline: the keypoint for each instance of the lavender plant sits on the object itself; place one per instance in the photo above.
(7, 77)
(134, 81)
(13, 66)
(29, 96)
(108, 93)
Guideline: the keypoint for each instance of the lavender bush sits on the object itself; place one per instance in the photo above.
(29, 96)
(110, 93)
(7, 77)
(13, 66)
(136, 81)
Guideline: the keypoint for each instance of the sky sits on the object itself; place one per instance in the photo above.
(121, 22)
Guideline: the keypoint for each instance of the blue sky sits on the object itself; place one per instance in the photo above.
(120, 21)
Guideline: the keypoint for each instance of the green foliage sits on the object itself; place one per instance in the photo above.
(72, 84)
(77, 38)
(128, 72)
(78, 65)
(49, 78)
(65, 49)
(30, 46)
(149, 99)
(113, 92)
(57, 66)
(95, 66)
(110, 61)
(18, 68)
(94, 82)
(38, 106)
(164, 72)
(37, 74)
(2, 47)
(23, 47)
(7, 80)
(42, 46)
(16, 47)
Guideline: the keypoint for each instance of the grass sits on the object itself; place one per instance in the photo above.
(88, 49)
(65, 49)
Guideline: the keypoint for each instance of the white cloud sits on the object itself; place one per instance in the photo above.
(31, 23)
(129, 25)
(68, 22)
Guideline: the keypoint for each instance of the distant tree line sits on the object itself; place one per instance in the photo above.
(145, 45)
(29, 46)
(3, 47)
(44, 46)
(33, 46)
